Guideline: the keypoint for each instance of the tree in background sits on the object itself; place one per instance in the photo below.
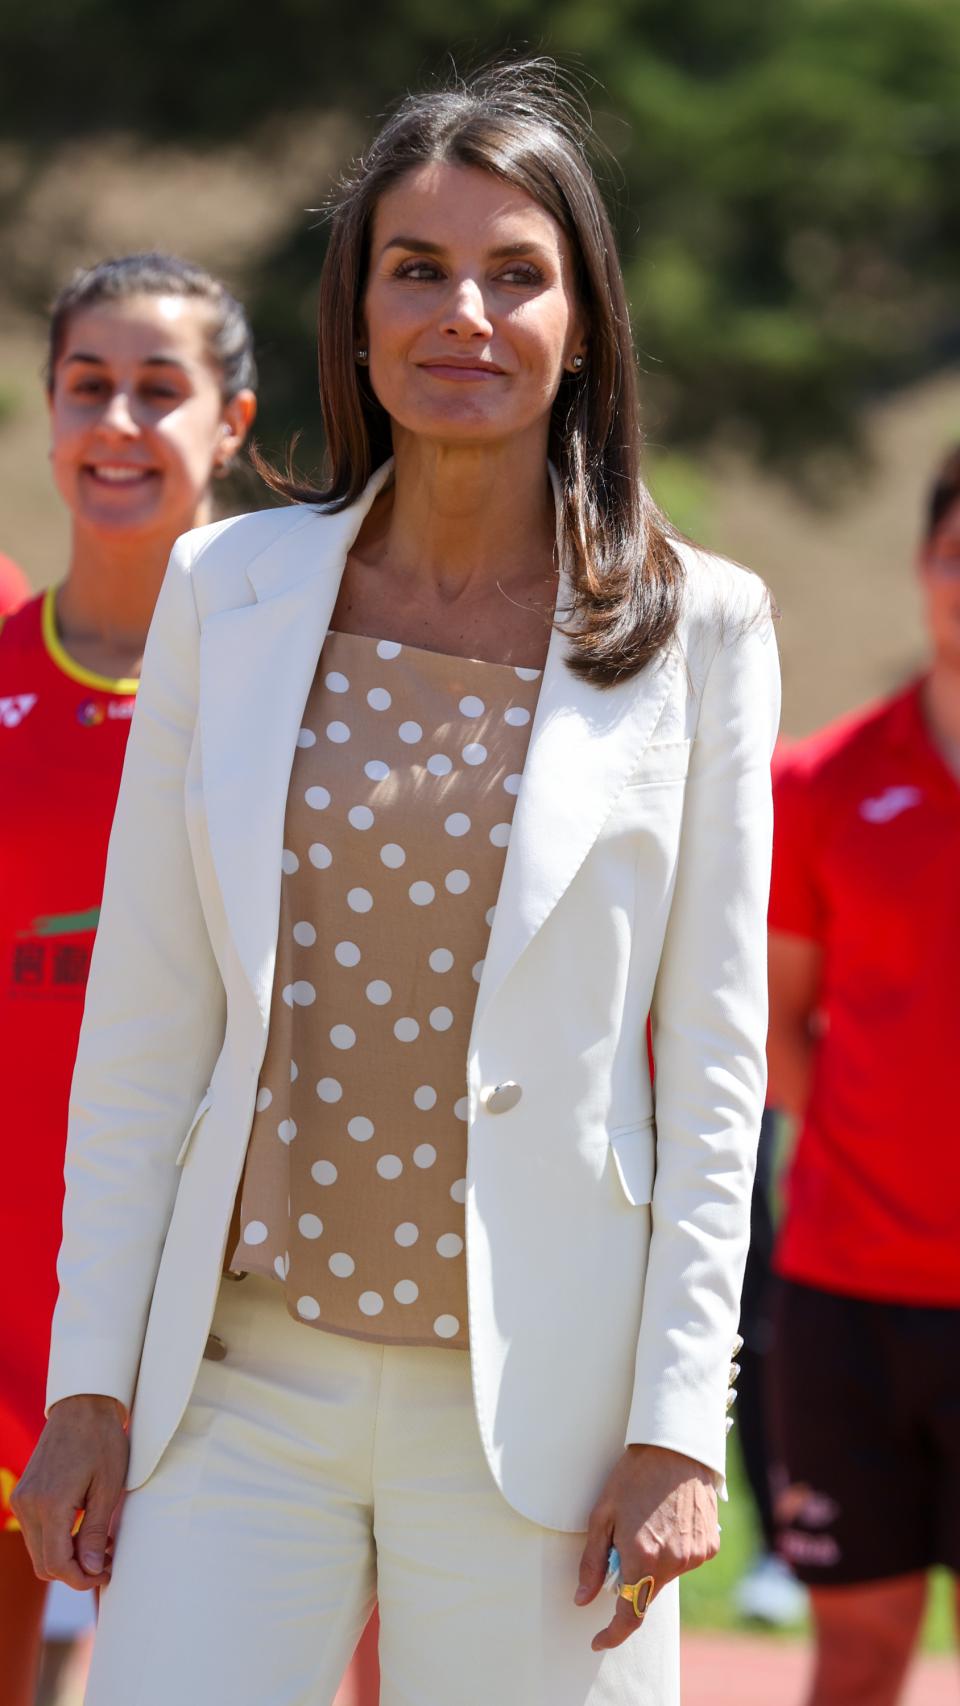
(787, 178)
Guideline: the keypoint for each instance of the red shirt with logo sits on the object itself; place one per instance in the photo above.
(63, 732)
(867, 865)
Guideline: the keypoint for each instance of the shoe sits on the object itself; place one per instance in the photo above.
(770, 1593)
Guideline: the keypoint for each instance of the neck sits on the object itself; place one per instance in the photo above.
(942, 707)
(108, 598)
(464, 519)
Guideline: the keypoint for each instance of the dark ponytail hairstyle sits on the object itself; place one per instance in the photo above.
(229, 338)
(518, 120)
(944, 493)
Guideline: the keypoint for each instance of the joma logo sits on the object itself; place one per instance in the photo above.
(890, 804)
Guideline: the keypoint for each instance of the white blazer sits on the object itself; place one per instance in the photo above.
(607, 1222)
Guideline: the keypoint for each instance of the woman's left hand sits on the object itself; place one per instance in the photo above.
(659, 1509)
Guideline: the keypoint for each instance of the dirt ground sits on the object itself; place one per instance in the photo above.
(748, 1670)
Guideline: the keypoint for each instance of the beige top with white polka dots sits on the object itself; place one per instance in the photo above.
(401, 797)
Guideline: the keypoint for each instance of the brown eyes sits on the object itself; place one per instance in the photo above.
(417, 270)
(98, 388)
(523, 275)
(428, 271)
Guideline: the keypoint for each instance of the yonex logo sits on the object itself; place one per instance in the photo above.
(890, 804)
(14, 709)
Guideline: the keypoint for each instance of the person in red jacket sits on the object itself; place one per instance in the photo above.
(865, 1022)
(14, 586)
(151, 391)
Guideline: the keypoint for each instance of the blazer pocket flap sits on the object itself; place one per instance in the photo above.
(635, 1157)
(191, 1129)
(663, 761)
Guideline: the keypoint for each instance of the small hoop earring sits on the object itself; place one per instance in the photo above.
(363, 355)
(577, 363)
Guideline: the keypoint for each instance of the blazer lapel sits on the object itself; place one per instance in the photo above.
(584, 744)
(257, 664)
(258, 660)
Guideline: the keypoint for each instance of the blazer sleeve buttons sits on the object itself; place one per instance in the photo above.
(501, 1098)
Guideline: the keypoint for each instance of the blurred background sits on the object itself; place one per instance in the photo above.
(786, 187)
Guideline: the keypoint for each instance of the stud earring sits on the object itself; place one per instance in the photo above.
(577, 363)
(363, 355)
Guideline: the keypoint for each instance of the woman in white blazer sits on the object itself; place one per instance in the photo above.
(475, 1475)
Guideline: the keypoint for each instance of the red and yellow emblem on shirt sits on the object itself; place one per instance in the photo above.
(8, 1522)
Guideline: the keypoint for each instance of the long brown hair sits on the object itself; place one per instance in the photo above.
(520, 121)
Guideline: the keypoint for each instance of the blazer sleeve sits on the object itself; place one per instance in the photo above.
(709, 1025)
(152, 1028)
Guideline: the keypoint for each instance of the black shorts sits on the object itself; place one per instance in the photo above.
(865, 1423)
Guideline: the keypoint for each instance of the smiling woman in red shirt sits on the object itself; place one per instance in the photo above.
(150, 383)
(864, 1022)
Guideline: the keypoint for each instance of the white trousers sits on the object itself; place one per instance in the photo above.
(313, 1473)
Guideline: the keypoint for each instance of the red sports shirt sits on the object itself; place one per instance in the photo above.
(63, 732)
(867, 864)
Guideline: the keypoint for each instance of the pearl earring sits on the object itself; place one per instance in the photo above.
(577, 363)
(362, 354)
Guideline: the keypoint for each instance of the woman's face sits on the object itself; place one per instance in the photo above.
(138, 424)
(470, 313)
(940, 579)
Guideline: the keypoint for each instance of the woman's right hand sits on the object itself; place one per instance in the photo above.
(79, 1464)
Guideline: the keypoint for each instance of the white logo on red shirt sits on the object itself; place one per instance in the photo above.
(14, 709)
(890, 804)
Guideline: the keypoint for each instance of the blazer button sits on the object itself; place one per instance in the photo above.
(501, 1098)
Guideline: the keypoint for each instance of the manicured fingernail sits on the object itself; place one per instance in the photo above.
(581, 1596)
(91, 1563)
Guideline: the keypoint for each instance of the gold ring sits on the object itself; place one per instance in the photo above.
(632, 1591)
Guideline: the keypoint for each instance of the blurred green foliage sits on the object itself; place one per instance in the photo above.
(682, 490)
(9, 403)
(786, 177)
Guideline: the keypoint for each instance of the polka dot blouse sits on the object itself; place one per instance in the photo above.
(401, 798)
